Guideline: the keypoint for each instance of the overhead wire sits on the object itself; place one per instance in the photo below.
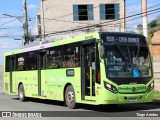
(79, 22)
(102, 22)
(76, 21)
(8, 22)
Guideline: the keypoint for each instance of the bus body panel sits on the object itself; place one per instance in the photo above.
(29, 80)
(53, 81)
(126, 98)
(57, 79)
(7, 82)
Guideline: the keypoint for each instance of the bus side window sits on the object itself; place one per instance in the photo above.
(54, 58)
(7, 64)
(32, 61)
(71, 57)
(21, 63)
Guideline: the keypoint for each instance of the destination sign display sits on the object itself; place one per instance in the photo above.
(122, 39)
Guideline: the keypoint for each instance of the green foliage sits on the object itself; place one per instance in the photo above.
(140, 28)
(152, 24)
(151, 33)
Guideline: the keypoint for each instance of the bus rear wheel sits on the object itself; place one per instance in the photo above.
(70, 99)
(21, 94)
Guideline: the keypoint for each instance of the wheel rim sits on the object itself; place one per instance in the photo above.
(70, 97)
(21, 93)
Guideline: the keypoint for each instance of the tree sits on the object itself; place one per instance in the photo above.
(139, 28)
(158, 20)
(152, 24)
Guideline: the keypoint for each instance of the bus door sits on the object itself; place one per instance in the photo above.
(12, 62)
(41, 72)
(88, 72)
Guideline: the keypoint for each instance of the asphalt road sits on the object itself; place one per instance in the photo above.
(12, 103)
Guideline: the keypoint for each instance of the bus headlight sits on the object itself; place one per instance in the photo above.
(150, 87)
(110, 87)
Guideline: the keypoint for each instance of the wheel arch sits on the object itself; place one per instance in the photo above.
(65, 87)
(20, 84)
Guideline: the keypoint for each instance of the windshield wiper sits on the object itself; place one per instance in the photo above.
(121, 51)
(138, 50)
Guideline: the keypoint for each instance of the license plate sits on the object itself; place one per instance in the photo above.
(132, 99)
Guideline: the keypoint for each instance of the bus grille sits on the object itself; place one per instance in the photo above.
(121, 81)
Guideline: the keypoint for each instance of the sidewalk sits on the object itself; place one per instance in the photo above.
(156, 66)
(1, 78)
(1, 85)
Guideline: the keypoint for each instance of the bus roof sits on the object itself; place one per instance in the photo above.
(66, 41)
(55, 43)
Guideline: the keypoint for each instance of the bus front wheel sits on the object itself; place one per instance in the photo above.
(21, 93)
(70, 99)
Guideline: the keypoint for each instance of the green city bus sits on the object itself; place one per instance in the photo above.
(97, 68)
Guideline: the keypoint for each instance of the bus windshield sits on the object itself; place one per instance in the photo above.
(127, 61)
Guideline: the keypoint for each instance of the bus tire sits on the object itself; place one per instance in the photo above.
(21, 94)
(70, 99)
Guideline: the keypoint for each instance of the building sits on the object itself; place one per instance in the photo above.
(58, 19)
(155, 46)
(156, 37)
(155, 52)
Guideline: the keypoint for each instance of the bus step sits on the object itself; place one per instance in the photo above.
(13, 93)
(88, 101)
(42, 97)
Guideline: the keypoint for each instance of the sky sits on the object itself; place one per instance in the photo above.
(11, 30)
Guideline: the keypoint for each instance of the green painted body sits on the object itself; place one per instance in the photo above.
(54, 82)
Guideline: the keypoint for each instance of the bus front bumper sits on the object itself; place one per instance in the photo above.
(128, 98)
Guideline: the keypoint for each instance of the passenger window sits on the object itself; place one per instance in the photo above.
(71, 57)
(21, 62)
(7, 64)
(54, 58)
(32, 61)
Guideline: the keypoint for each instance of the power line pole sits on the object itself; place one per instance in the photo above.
(145, 22)
(25, 24)
(42, 2)
(125, 16)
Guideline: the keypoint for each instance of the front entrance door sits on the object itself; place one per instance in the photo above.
(88, 72)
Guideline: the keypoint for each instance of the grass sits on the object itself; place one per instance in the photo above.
(157, 95)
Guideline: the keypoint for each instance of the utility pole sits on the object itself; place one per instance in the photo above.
(42, 7)
(125, 16)
(144, 14)
(25, 24)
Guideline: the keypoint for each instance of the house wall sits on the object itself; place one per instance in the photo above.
(155, 50)
(58, 16)
(156, 37)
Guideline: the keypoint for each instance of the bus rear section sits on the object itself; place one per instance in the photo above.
(126, 69)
